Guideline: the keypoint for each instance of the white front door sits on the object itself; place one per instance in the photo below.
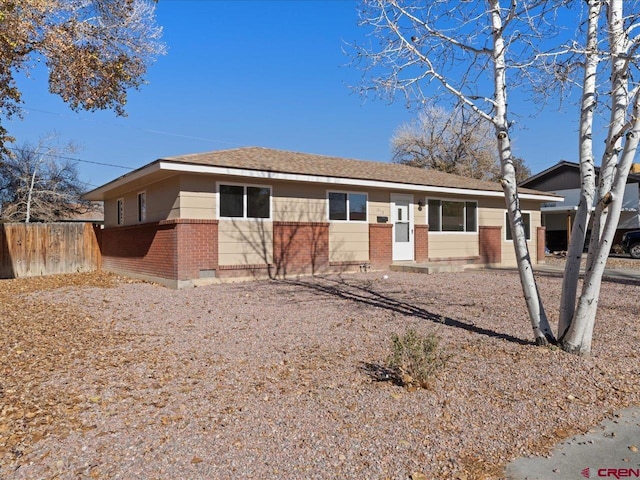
(402, 217)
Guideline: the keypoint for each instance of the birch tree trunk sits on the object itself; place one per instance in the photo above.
(613, 178)
(587, 175)
(30, 194)
(541, 329)
(580, 334)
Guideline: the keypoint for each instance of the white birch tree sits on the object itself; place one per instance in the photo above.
(454, 47)
(620, 45)
(470, 53)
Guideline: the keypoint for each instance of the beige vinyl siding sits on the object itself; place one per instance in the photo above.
(492, 213)
(162, 199)
(378, 205)
(197, 197)
(130, 210)
(348, 242)
(162, 202)
(419, 213)
(453, 245)
(245, 242)
(295, 202)
(111, 212)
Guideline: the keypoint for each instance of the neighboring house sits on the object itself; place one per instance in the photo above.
(92, 214)
(563, 179)
(253, 211)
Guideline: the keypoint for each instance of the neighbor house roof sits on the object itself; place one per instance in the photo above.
(265, 163)
(564, 165)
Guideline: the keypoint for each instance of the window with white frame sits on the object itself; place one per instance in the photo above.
(120, 211)
(526, 219)
(452, 216)
(245, 201)
(142, 206)
(348, 206)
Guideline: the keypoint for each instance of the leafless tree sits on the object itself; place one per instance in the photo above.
(456, 141)
(36, 184)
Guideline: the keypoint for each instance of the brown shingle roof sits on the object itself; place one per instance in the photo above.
(269, 160)
(281, 161)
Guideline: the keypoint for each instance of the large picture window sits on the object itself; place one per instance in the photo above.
(452, 216)
(351, 207)
(526, 218)
(240, 201)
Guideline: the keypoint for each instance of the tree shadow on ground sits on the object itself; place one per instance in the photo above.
(367, 295)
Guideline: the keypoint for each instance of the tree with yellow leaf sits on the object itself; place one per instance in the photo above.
(94, 50)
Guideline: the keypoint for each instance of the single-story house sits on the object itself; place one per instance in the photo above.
(563, 179)
(248, 212)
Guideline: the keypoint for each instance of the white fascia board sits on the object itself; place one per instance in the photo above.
(565, 208)
(118, 182)
(353, 182)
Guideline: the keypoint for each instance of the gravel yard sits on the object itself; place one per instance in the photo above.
(103, 377)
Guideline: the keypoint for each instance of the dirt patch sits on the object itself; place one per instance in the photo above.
(104, 377)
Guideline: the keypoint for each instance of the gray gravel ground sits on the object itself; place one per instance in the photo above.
(276, 380)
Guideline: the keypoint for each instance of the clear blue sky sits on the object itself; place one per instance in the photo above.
(253, 73)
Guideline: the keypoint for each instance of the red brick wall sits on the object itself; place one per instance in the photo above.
(300, 247)
(380, 245)
(172, 249)
(490, 240)
(148, 249)
(257, 271)
(541, 236)
(421, 243)
(197, 247)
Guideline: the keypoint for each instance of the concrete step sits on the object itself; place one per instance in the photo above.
(427, 268)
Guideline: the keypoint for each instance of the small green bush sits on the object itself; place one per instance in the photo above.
(415, 358)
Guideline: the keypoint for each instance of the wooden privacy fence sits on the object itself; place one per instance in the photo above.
(33, 249)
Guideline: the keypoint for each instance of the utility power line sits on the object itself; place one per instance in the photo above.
(73, 159)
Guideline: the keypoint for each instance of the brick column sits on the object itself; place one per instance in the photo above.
(300, 247)
(421, 243)
(490, 243)
(197, 248)
(380, 245)
(542, 243)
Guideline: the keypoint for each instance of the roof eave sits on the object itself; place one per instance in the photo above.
(173, 166)
(98, 194)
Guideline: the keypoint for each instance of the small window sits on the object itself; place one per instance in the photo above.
(120, 211)
(452, 216)
(239, 201)
(351, 207)
(142, 206)
(526, 218)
